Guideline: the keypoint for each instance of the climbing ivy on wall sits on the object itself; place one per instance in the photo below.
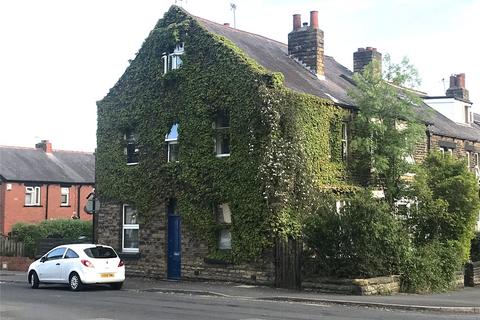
(284, 145)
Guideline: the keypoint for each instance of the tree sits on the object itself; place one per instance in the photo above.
(386, 127)
(446, 202)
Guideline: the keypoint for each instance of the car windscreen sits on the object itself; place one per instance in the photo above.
(100, 253)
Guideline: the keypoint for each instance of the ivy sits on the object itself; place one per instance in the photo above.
(284, 145)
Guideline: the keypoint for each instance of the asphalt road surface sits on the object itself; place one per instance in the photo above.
(18, 301)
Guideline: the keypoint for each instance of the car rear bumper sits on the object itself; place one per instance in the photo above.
(105, 277)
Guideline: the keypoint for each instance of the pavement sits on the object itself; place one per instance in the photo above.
(465, 300)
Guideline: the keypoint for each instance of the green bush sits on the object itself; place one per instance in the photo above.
(363, 240)
(31, 234)
(431, 267)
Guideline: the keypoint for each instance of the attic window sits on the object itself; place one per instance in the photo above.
(131, 148)
(222, 134)
(172, 143)
(173, 61)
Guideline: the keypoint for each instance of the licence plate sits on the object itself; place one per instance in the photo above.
(106, 275)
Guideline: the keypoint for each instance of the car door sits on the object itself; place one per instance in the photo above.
(70, 259)
(50, 269)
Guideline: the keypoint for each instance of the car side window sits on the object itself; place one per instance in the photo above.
(70, 254)
(56, 254)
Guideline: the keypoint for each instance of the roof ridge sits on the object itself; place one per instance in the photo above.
(238, 30)
(53, 150)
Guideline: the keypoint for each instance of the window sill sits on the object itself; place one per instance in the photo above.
(65, 206)
(222, 155)
(132, 164)
(129, 256)
(32, 206)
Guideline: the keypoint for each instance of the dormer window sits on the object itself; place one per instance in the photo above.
(222, 134)
(173, 61)
(172, 143)
(131, 148)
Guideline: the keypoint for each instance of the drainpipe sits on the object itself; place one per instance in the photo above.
(78, 201)
(46, 204)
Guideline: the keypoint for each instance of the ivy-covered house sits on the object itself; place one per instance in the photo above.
(215, 142)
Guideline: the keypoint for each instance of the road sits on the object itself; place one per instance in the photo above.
(18, 301)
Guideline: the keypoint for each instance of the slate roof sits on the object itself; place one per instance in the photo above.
(273, 55)
(34, 165)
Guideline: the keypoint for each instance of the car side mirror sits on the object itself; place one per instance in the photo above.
(43, 259)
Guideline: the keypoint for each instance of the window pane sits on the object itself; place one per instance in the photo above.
(28, 197)
(130, 215)
(130, 238)
(132, 153)
(70, 254)
(100, 252)
(225, 240)
(224, 214)
(173, 149)
(56, 254)
(173, 134)
(222, 120)
(223, 143)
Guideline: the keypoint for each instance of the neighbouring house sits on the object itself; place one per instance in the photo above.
(214, 139)
(41, 183)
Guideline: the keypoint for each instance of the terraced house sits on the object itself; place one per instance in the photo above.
(42, 183)
(214, 139)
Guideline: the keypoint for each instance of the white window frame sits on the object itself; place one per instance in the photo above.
(64, 191)
(34, 193)
(130, 138)
(344, 141)
(469, 159)
(170, 142)
(173, 60)
(220, 130)
(128, 227)
(443, 150)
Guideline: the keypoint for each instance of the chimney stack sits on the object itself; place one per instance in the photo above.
(363, 56)
(457, 87)
(226, 24)
(305, 44)
(45, 145)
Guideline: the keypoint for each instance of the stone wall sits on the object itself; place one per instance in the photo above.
(472, 274)
(365, 287)
(151, 261)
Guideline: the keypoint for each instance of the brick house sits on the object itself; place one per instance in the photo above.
(171, 132)
(40, 183)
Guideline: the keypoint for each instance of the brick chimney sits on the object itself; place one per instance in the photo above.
(45, 145)
(457, 87)
(363, 56)
(305, 44)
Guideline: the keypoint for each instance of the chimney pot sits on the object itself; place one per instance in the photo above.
(305, 24)
(314, 19)
(297, 22)
(226, 24)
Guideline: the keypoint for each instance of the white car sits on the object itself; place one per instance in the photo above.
(78, 265)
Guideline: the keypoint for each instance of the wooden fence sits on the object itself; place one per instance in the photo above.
(11, 248)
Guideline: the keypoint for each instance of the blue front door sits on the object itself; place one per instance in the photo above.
(174, 247)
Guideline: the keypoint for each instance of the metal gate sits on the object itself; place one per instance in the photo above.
(288, 263)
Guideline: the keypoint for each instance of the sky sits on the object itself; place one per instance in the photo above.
(58, 57)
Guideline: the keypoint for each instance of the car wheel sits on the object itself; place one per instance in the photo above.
(116, 285)
(34, 282)
(75, 282)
